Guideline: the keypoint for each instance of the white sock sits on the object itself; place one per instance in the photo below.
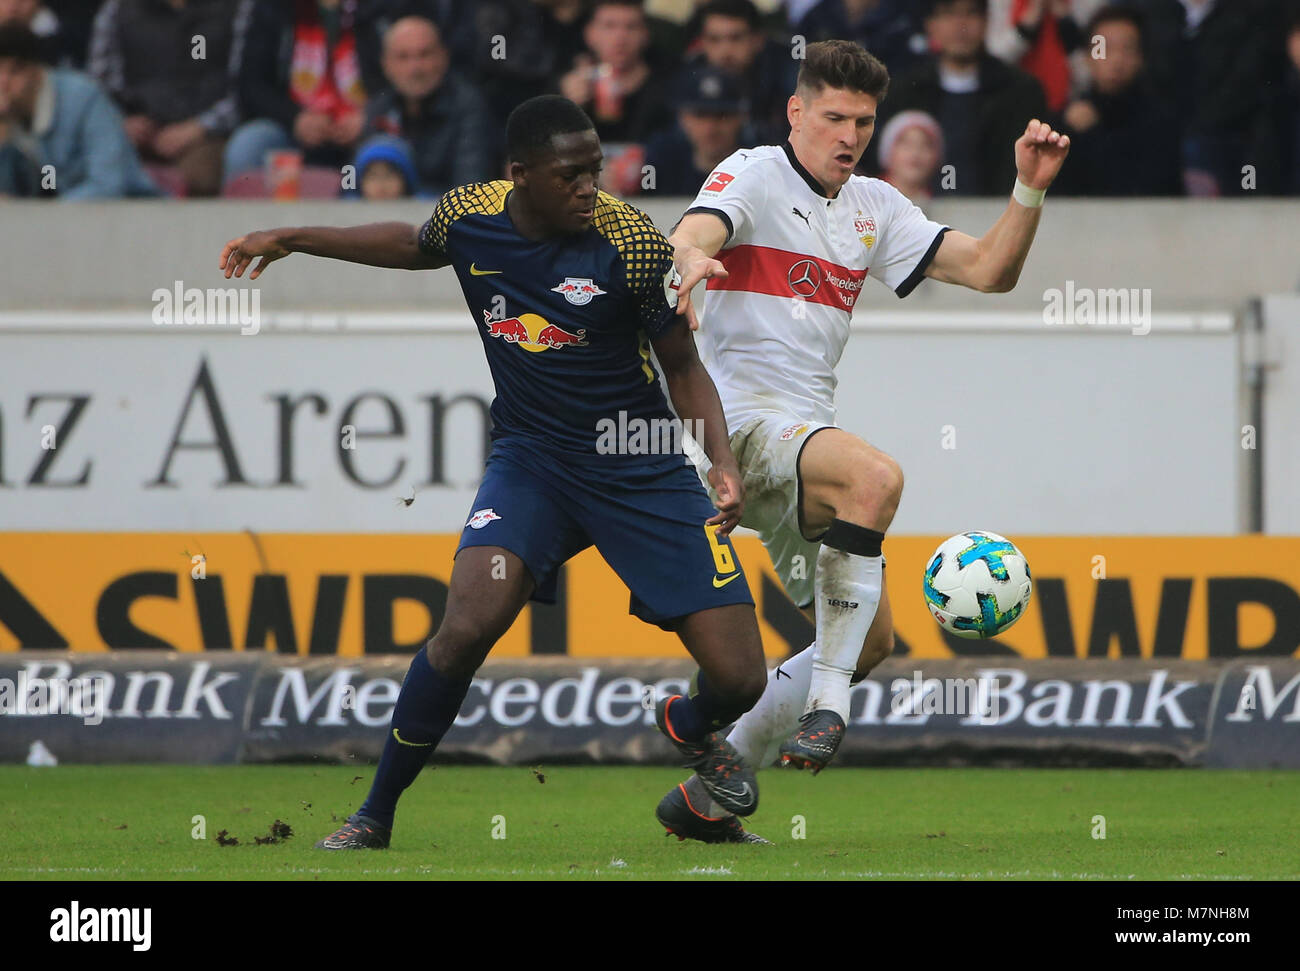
(848, 592)
(761, 730)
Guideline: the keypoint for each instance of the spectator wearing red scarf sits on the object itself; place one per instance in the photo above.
(303, 80)
(982, 104)
(1038, 36)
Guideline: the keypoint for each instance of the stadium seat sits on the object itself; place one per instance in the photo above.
(320, 183)
(168, 178)
(316, 182)
(246, 185)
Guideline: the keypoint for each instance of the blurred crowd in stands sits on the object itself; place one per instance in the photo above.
(384, 99)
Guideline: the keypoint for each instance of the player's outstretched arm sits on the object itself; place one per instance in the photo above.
(395, 245)
(695, 399)
(992, 263)
(695, 242)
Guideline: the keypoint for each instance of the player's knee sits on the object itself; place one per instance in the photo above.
(884, 475)
(755, 685)
(877, 485)
(740, 690)
(459, 647)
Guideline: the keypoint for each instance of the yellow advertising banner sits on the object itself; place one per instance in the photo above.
(351, 594)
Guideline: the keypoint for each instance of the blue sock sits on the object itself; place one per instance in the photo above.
(425, 709)
(692, 718)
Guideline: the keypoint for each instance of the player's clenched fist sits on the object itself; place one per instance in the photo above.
(725, 479)
(238, 253)
(1040, 151)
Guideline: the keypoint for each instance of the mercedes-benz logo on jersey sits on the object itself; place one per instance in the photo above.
(579, 291)
(804, 278)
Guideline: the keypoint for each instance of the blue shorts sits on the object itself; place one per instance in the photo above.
(647, 521)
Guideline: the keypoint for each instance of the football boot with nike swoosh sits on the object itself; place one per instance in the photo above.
(725, 775)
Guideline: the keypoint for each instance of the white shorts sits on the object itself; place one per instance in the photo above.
(768, 448)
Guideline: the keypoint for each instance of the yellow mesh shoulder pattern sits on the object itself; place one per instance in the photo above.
(474, 198)
(645, 252)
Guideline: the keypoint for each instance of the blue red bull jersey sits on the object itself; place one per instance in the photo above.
(566, 322)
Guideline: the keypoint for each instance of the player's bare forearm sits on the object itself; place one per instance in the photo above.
(695, 240)
(695, 399)
(700, 231)
(993, 262)
(1006, 245)
(393, 245)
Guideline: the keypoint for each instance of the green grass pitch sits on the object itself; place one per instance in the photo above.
(582, 823)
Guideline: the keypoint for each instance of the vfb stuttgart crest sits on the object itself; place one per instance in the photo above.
(865, 227)
(579, 291)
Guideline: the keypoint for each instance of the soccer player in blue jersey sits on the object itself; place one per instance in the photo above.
(569, 289)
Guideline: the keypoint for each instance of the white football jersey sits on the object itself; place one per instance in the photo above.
(772, 332)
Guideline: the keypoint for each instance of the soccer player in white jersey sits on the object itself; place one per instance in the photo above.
(786, 237)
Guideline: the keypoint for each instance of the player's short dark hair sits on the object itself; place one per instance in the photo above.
(1115, 11)
(735, 9)
(533, 124)
(17, 41)
(842, 64)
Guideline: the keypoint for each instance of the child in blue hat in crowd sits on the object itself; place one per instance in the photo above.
(386, 170)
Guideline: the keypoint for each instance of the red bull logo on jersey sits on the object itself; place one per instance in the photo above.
(579, 291)
(532, 332)
(481, 518)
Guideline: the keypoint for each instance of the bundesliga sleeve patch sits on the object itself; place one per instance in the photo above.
(718, 181)
(672, 287)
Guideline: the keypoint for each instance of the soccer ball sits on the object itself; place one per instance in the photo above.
(977, 584)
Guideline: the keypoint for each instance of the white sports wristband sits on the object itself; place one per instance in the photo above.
(1032, 198)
